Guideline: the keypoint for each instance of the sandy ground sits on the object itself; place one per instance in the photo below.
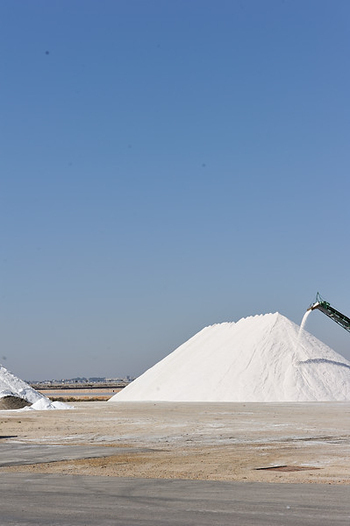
(69, 395)
(295, 442)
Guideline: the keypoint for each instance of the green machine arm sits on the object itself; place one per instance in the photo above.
(331, 312)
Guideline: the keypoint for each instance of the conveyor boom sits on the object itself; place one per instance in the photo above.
(331, 312)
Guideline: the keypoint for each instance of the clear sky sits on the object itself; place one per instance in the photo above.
(167, 165)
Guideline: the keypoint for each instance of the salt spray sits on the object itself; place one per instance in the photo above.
(303, 322)
(302, 327)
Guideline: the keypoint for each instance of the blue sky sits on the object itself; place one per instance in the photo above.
(166, 166)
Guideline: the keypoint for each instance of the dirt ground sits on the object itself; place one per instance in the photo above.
(280, 442)
(77, 395)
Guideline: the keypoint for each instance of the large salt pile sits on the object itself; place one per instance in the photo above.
(258, 359)
(16, 394)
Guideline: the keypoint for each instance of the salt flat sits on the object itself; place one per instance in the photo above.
(267, 442)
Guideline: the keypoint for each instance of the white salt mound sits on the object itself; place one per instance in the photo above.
(258, 359)
(11, 386)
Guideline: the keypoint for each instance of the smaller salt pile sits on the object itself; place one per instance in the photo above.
(258, 359)
(16, 394)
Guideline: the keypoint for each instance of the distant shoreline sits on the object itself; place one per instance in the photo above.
(74, 392)
(78, 385)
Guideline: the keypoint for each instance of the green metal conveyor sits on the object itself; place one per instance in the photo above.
(331, 312)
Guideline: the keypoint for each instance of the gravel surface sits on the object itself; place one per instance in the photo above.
(267, 442)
